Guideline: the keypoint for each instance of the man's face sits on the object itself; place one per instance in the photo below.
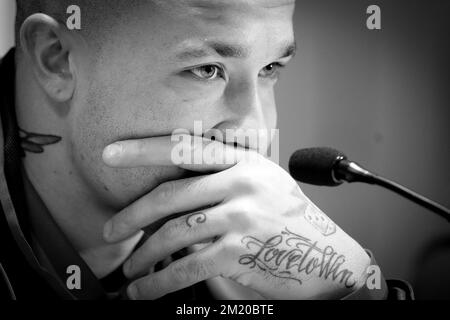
(169, 65)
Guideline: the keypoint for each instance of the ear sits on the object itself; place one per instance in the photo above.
(47, 47)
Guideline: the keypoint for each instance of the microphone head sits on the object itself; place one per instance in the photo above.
(315, 165)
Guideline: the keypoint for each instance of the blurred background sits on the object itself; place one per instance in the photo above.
(382, 97)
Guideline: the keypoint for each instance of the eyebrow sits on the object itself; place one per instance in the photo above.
(228, 50)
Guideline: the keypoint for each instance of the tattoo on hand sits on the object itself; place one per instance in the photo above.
(35, 142)
(320, 221)
(291, 256)
(198, 217)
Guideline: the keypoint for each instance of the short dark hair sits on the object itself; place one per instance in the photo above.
(94, 12)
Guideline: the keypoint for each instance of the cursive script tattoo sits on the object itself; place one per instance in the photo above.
(35, 142)
(291, 256)
(198, 217)
(320, 221)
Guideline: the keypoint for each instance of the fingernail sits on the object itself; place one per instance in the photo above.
(113, 151)
(108, 230)
(132, 292)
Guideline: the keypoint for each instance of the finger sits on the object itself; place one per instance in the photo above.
(175, 235)
(210, 156)
(180, 274)
(169, 198)
(139, 152)
(188, 152)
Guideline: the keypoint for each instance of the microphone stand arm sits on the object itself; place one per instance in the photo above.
(349, 171)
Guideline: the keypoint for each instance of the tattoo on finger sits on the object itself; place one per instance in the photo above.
(195, 218)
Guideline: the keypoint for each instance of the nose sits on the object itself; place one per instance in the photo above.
(251, 115)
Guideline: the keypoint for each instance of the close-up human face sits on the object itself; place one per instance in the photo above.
(167, 65)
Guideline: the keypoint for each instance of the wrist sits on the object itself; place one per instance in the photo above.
(373, 288)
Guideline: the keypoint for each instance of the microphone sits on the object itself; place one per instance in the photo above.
(330, 167)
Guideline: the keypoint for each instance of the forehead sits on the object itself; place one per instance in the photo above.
(209, 20)
(159, 30)
(222, 7)
(226, 3)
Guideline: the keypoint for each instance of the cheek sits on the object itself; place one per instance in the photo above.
(118, 108)
(103, 120)
(114, 188)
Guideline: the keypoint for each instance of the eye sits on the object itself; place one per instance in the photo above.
(207, 72)
(271, 70)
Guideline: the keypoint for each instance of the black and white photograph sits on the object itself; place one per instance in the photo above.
(224, 157)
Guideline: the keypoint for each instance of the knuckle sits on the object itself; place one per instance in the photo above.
(180, 273)
(246, 209)
(247, 182)
(169, 230)
(164, 191)
(197, 269)
(142, 146)
(231, 248)
(242, 216)
(192, 270)
(194, 185)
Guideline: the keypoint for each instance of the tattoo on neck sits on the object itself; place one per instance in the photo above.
(198, 217)
(292, 257)
(35, 142)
